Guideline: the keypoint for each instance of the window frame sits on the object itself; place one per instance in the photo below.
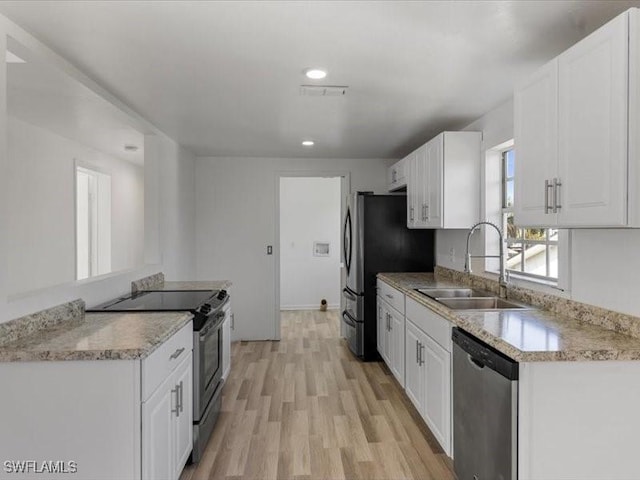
(506, 210)
(98, 232)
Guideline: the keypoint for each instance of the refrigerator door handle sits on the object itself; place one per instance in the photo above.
(348, 319)
(346, 241)
(347, 293)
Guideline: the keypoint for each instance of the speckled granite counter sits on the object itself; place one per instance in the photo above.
(527, 335)
(96, 336)
(157, 282)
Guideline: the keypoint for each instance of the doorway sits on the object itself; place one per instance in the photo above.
(310, 240)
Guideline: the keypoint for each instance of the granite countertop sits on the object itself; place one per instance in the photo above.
(526, 335)
(97, 336)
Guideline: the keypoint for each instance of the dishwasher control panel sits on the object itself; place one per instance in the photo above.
(484, 355)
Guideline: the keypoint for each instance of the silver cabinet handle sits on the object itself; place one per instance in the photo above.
(417, 352)
(411, 213)
(388, 296)
(547, 187)
(233, 322)
(388, 322)
(176, 354)
(426, 213)
(421, 357)
(556, 195)
(390, 327)
(177, 410)
(181, 397)
(394, 176)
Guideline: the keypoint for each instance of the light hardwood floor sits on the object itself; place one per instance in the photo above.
(306, 408)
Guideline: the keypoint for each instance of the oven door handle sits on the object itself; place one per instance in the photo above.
(349, 320)
(213, 326)
(347, 293)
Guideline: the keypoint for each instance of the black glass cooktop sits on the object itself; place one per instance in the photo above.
(164, 301)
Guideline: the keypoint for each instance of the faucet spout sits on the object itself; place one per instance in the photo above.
(502, 279)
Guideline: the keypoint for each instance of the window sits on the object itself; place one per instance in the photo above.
(531, 252)
(93, 223)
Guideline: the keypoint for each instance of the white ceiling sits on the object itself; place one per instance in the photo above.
(222, 78)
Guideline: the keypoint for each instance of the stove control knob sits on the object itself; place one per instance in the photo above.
(206, 308)
(222, 294)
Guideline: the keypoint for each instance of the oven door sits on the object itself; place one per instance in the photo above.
(209, 363)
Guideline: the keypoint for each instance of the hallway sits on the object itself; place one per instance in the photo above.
(305, 408)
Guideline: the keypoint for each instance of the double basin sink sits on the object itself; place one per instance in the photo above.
(470, 299)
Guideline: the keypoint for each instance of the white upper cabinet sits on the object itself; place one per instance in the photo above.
(397, 176)
(536, 134)
(443, 188)
(572, 134)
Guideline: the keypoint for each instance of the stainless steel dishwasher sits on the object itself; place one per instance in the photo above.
(485, 411)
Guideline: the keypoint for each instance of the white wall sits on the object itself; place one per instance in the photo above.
(604, 264)
(235, 221)
(309, 212)
(41, 227)
(169, 204)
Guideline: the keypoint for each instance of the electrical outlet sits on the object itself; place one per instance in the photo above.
(452, 255)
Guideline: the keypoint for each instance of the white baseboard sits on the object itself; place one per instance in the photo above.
(315, 306)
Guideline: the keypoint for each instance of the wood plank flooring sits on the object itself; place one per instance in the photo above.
(305, 408)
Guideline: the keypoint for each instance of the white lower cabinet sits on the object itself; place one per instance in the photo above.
(115, 419)
(437, 405)
(167, 425)
(396, 345)
(391, 338)
(414, 374)
(428, 370)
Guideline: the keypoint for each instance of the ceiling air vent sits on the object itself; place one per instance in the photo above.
(323, 90)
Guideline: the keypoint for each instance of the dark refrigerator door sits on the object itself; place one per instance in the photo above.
(388, 246)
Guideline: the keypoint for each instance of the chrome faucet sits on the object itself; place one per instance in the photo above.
(503, 278)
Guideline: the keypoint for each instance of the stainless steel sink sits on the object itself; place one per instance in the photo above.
(486, 303)
(437, 293)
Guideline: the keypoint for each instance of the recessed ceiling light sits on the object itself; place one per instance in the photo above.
(308, 143)
(130, 148)
(315, 73)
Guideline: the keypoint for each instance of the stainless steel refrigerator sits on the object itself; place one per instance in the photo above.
(376, 239)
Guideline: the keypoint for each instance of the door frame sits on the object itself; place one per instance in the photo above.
(345, 189)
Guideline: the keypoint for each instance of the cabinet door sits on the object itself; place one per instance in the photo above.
(421, 205)
(437, 404)
(382, 325)
(414, 376)
(383, 331)
(392, 173)
(157, 433)
(434, 184)
(183, 421)
(593, 92)
(412, 185)
(396, 345)
(536, 145)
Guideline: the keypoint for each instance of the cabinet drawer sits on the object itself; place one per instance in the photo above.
(431, 323)
(393, 297)
(159, 365)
